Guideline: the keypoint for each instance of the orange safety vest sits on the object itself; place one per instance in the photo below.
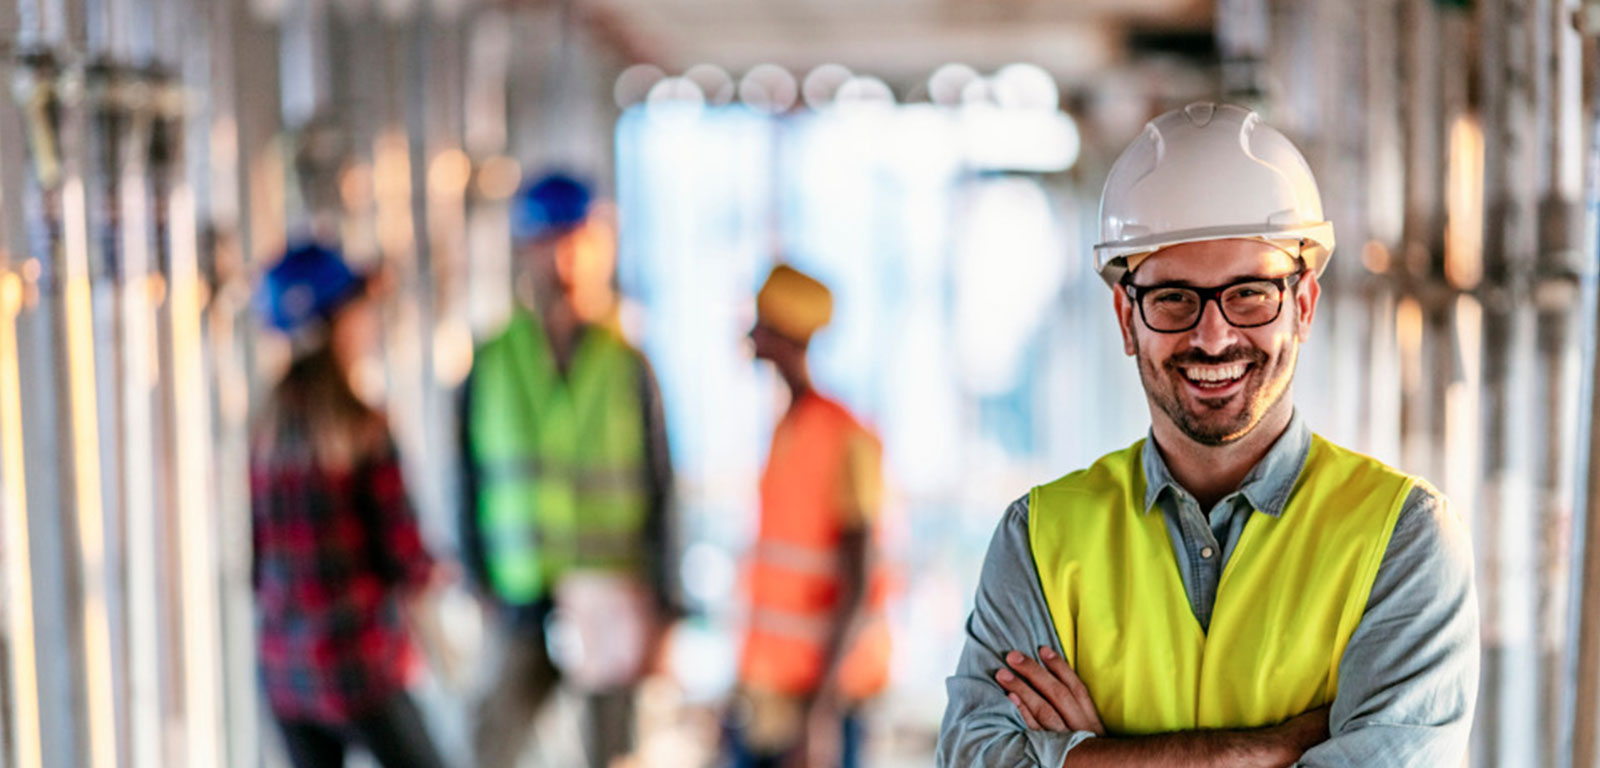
(794, 569)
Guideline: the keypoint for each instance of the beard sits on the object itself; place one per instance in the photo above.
(1215, 421)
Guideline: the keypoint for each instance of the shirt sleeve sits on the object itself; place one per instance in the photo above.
(661, 523)
(398, 535)
(1409, 677)
(981, 727)
(469, 538)
(861, 492)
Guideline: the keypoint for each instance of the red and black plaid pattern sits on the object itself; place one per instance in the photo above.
(333, 551)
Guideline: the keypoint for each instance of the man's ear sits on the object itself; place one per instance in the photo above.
(1125, 320)
(1305, 304)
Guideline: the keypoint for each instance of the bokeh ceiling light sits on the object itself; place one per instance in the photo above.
(450, 10)
(822, 85)
(865, 90)
(676, 91)
(270, 11)
(977, 92)
(498, 177)
(714, 82)
(634, 84)
(1030, 140)
(355, 186)
(398, 10)
(949, 82)
(1025, 86)
(449, 173)
(769, 88)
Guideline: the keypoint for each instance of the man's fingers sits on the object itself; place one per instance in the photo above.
(1062, 670)
(1080, 692)
(1053, 690)
(1027, 717)
(1043, 712)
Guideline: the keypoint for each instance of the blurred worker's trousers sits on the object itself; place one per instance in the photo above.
(523, 679)
(742, 754)
(393, 732)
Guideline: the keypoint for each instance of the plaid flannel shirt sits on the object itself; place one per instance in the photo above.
(332, 552)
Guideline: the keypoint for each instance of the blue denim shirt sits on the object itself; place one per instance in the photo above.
(1408, 679)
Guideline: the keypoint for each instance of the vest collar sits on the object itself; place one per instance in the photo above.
(1266, 487)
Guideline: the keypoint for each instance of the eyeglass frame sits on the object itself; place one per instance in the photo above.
(1284, 284)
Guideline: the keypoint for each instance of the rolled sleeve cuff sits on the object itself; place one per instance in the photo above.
(1052, 747)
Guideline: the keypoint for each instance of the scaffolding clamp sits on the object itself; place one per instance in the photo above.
(39, 88)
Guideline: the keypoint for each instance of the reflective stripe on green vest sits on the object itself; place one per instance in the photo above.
(1291, 593)
(561, 461)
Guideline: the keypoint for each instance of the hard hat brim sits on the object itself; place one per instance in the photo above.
(1111, 259)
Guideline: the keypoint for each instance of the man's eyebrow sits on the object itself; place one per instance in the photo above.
(1187, 284)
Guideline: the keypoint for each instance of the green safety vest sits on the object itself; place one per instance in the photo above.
(560, 460)
(1291, 594)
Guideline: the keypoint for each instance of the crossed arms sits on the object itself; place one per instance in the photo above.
(1049, 696)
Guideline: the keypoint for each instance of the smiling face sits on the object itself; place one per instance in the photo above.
(1215, 382)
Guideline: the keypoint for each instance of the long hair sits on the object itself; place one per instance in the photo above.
(313, 413)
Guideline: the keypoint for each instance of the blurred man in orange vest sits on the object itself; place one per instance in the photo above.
(817, 645)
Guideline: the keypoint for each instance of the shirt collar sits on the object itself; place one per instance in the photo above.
(1266, 487)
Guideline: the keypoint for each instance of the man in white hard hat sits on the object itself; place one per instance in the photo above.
(1232, 589)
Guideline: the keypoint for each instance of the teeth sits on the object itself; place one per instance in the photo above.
(1215, 373)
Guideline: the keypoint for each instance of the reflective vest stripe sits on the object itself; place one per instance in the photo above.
(798, 559)
(803, 626)
(625, 480)
(799, 626)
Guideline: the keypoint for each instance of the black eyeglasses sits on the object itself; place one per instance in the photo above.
(1175, 307)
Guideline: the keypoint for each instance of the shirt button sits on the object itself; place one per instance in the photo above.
(1206, 553)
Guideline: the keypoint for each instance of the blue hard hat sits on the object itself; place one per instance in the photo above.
(310, 282)
(554, 202)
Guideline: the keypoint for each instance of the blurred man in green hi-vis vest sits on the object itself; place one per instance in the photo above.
(1232, 590)
(566, 529)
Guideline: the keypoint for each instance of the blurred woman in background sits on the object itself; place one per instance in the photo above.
(338, 556)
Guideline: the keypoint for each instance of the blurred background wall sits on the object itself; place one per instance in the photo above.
(938, 162)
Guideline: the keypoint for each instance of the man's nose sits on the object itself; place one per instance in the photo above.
(1213, 333)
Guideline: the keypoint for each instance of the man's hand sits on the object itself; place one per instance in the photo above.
(657, 647)
(821, 735)
(1048, 694)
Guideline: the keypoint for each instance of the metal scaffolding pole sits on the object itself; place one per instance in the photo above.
(1556, 299)
(234, 65)
(1510, 694)
(80, 719)
(1243, 32)
(119, 216)
(1584, 633)
(445, 174)
(487, 140)
(430, 438)
(1384, 174)
(1427, 357)
(1339, 155)
(22, 741)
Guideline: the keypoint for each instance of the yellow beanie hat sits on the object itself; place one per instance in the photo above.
(793, 303)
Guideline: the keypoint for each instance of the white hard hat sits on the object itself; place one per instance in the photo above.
(1209, 172)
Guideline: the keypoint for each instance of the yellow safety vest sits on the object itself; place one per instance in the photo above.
(561, 460)
(1290, 596)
